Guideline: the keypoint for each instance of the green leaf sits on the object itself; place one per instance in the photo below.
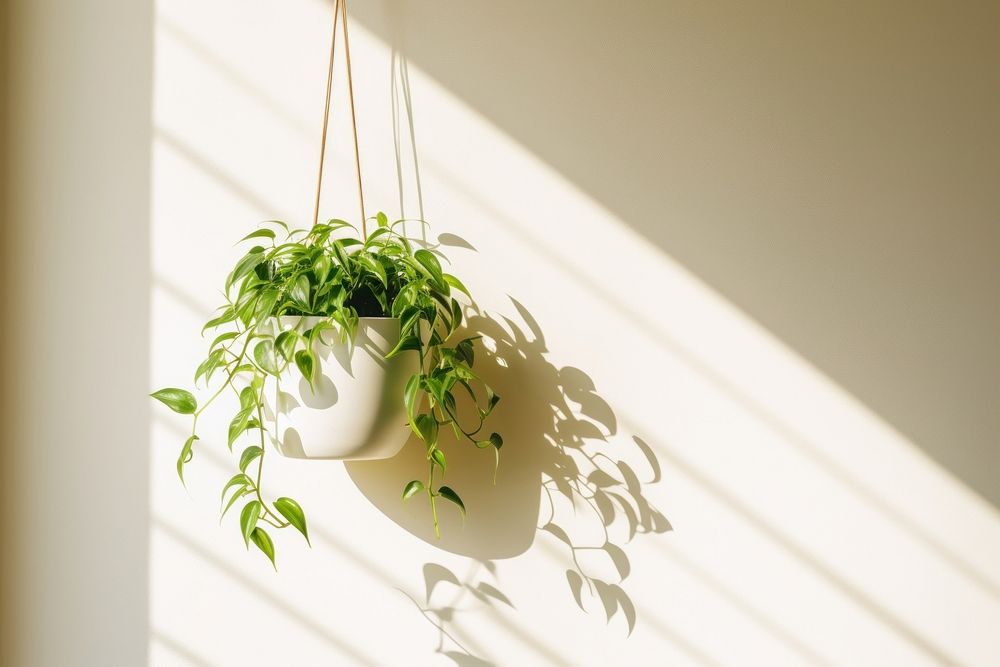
(208, 366)
(300, 291)
(348, 320)
(264, 543)
(248, 456)
(493, 400)
(412, 488)
(316, 333)
(410, 395)
(342, 256)
(260, 233)
(426, 427)
(321, 267)
(383, 220)
(430, 264)
(291, 510)
(376, 235)
(465, 351)
(457, 284)
(240, 492)
(285, 344)
(178, 400)
(243, 485)
(265, 304)
(456, 316)
(222, 338)
(245, 308)
(435, 386)
(245, 368)
(496, 442)
(405, 343)
(337, 223)
(276, 222)
(247, 264)
(408, 317)
(448, 493)
(248, 519)
(438, 457)
(263, 354)
(239, 424)
(373, 265)
(186, 455)
(228, 315)
(265, 270)
(248, 395)
(239, 479)
(305, 363)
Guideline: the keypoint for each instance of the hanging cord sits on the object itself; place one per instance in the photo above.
(400, 78)
(340, 10)
(326, 111)
(405, 71)
(396, 141)
(354, 122)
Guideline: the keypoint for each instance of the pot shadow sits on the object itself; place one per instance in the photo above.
(564, 470)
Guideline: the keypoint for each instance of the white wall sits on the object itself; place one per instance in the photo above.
(748, 250)
(577, 148)
(828, 168)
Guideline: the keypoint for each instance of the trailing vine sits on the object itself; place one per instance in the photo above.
(329, 272)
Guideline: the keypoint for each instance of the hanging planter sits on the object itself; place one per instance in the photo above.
(352, 408)
(339, 344)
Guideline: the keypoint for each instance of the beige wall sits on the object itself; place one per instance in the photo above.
(748, 249)
(756, 239)
(75, 266)
(830, 168)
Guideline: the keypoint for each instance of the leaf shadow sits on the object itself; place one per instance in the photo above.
(565, 472)
(441, 610)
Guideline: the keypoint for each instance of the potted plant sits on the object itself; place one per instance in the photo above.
(338, 345)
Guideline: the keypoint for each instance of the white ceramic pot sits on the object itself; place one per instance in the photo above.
(354, 410)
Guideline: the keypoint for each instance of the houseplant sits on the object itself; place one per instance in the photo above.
(290, 302)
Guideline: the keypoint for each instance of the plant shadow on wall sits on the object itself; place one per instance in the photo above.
(564, 470)
(442, 609)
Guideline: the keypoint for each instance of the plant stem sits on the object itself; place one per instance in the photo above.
(432, 495)
(229, 379)
(260, 464)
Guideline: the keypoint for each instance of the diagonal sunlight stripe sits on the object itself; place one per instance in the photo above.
(177, 648)
(658, 336)
(211, 170)
(746, 607)
(705, 370)
(167, 26)
(864, 601)
(662, 337)
(643, 615)
(178, 536)
(365, 564)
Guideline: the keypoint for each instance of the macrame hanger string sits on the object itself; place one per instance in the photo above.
(340, 12)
